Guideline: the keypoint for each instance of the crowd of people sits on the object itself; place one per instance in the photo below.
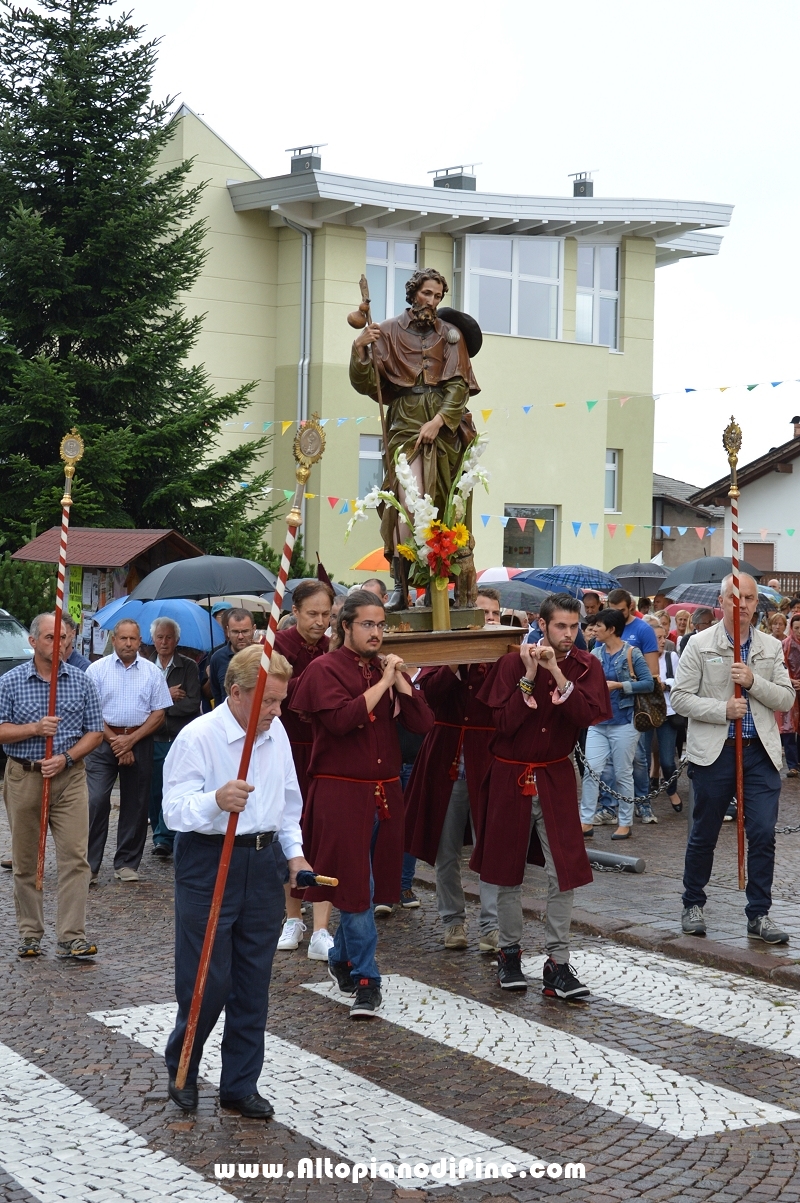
(359, 768)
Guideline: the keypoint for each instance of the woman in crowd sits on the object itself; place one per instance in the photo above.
(788, 721)
(626, 674)
(666, 735)
(666, 624)
(682, 619)
(777, 625)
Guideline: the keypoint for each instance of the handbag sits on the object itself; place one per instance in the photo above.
(649, 709)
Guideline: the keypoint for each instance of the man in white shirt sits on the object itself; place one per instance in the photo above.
(201, 789)
(133, 696)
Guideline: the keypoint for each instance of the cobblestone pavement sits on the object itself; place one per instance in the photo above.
(675, 1081)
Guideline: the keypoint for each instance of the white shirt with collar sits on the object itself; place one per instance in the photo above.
(206, 755)
(129, 693)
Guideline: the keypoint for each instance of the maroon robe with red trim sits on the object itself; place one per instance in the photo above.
(547, 734)
(291, 644)
(350, 743)
(456, 708)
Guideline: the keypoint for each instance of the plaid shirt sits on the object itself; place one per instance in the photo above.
(24, 698)
(129, 695)
(748, 726)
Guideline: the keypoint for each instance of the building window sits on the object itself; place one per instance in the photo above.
(529, 540)
(511, 285)
(391, 262)
(597, 299)
(370, 463)
(760, 555)
(612, 482)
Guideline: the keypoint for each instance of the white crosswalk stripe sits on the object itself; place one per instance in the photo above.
(58, 1146)
(336, 1109)
(641, 1091)
(709, 999)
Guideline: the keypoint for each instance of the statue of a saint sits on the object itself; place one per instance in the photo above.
(426, 381)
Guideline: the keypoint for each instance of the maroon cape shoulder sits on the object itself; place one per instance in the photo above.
(537, 741)
(462, 723)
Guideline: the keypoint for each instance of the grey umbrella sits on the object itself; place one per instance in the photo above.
(708, 569)
(515, 596)
(641, 579)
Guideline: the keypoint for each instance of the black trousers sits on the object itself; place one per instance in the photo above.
(102, 771)
(241, 963)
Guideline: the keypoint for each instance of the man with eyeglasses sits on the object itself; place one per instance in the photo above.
(354, 816)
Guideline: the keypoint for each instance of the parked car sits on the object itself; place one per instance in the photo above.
(14, 646)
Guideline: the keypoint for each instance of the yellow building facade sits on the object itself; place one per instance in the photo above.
(562, 287)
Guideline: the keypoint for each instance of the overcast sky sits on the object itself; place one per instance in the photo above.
(685, 101)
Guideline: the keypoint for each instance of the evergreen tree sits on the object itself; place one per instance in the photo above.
(97, 243)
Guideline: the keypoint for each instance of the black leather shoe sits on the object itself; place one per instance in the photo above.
(186, 1098)
(252, 1106)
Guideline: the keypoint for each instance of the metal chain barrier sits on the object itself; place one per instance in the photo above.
(579, 756)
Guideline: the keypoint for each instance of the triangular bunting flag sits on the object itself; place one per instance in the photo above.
(560, 405)
(485, 519)
(576, 526)
(267, 425)
(285, 426)
(724, 388)
(622, 401)
(682, 530)
(540, 523)
(522, 523)
(486, 414)
(790, 531)
(333, 502)
(309, 496)
(324, 421)
(775, 383)
(611, 528)
(593, 527)
(503, 522)
(339, 421)
(242, 484)
(359, 420)
(590, 405)
(763, 534)
(710, 530)
(750, 387)
(666, 530)
(690, 390)
(527, 409)
(700, 531)
(630, 527)
(246, 424)
(345, 508)
(288, 494)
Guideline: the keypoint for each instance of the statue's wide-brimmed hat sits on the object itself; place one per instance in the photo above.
(466, 324)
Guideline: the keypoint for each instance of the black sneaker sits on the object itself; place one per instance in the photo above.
(509, 968)
(762, 928)
(76, 950)
(560, 982)
(367, 1001)
(408, 899)
(339, 972)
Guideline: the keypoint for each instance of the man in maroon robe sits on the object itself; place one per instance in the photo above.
(540, 697)
(301, 645)
(354, 814)
(443, 793)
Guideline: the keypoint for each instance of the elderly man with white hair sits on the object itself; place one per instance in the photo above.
(183, 681)
(704, 693)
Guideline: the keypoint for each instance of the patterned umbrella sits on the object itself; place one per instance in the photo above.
(569, 578)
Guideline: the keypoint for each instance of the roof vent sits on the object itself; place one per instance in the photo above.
(460, 177)
(306, 158)
(582, 184)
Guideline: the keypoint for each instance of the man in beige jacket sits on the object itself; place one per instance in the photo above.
(704, 693)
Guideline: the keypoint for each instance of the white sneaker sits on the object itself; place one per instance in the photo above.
(291, 935)
(319, 945)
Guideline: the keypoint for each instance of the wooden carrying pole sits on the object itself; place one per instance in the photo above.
(309, 445)
(732, 442)
(71, 451)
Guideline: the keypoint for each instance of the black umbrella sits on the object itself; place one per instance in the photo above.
(641, 579)
(708, 569)
(515, 596)
(204, 576)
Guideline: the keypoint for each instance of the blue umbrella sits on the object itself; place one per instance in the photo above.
(197, 626)
(103, 617)
(570, 578)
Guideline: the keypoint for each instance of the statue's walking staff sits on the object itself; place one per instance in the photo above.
(732, 442)
(358, 319)
(309, 445)
(71, 451)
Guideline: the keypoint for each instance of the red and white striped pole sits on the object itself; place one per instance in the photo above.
(71, 452)
(732, 442)
(308, 448)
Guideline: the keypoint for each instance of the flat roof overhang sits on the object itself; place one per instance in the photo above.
(318, 197)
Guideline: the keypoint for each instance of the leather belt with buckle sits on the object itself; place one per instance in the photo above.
(731, 743)
(30, 766)
(258, 840)
(121, 730)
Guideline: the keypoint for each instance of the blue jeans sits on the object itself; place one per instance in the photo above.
(356, 938)
(616, 742)
(409, 861)
(641, 767)
(161, 833)
(666, 736)
(789, 741)
(714, 786)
